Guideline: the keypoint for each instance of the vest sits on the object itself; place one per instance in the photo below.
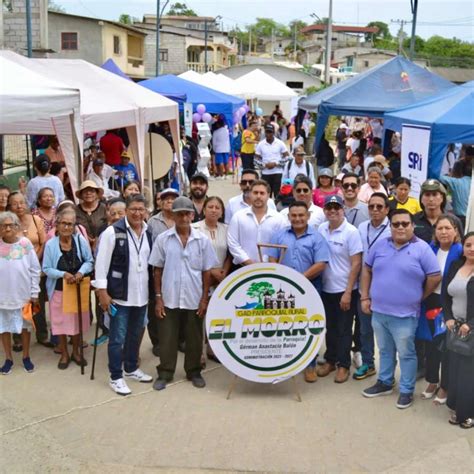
(117, 277)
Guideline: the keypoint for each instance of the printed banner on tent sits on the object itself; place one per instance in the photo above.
(188, 118)
(265, 322)
(414, 159)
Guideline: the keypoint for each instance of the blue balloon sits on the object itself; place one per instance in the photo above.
(259, 111)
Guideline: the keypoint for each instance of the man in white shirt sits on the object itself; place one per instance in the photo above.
(100, 174)
(182, 258)
(121, 273)
(302, 191)
(339, 288)
(298, 165)
(221, 148)
(252, 226)
(271, 155)
(243, 201)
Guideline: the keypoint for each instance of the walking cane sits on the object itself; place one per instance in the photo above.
(95, 344)
(79, 314)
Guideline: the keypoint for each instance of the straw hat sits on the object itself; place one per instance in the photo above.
(89, 184)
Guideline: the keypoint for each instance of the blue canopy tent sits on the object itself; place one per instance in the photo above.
(215, 102)
(397, 82)
(450, 115)
(111, 66)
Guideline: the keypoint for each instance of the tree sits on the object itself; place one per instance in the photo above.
(259, 290)
(54, 7)
(299, 26)
(266, 26)
(126, 19)
(181, 9)
(419, 44)
(383, 33)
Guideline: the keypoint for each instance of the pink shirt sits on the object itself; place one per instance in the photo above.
(319, 195)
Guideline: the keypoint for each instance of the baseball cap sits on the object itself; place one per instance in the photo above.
(334, 199)
(299, 151)
(183, 203)
(199, 176)
(166, 191)
(326, 172)
(270, 128)
(98, 162)
(126, 154)
(432, 185)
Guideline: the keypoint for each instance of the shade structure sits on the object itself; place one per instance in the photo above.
(216, 102)
(191, 76)
(449, 114)
(34, 104)
(108, 101)
(111, 66)
(264, 87)
(390, 85)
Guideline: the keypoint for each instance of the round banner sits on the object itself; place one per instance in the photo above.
(265, 322)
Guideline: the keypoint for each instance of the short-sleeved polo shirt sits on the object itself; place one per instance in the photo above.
(344, 242)
(398, 276)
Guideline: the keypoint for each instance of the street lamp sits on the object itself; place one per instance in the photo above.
(218, 17)
(159, 13)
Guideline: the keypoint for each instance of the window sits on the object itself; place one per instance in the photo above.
(366, 63)
(116, 44)
(164, 55)
(294, 84)
(69, 41)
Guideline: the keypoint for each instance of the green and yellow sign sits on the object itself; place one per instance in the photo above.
(265, 322)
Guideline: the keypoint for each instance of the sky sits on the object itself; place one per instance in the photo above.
(448, 18)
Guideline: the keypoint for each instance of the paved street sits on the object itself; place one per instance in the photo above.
(60, 421)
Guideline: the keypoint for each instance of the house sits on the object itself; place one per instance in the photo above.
(183, 44)
(458, 75)
(277, 46)
(95, 41)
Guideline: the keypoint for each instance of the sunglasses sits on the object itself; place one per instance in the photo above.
(245, 182)
(350, 185)
(373, 207)
(404, 224)
(302, 190)
(332, 207)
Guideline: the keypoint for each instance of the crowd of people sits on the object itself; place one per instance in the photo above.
(387, 266)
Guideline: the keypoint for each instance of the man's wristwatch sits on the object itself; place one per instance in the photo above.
(158, 295)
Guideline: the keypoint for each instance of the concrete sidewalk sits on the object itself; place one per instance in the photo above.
(60, 421)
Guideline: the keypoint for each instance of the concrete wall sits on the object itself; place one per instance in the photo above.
(108, 33)
(90, 46)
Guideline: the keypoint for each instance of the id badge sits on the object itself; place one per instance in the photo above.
(140, 266)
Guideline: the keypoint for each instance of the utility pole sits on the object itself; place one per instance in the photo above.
(327, 66)
(29, 37)
(205, 45)
(159, 13)
(273, 43)
(414, 10)
(401, 33)
(294, 45)
(250, 41)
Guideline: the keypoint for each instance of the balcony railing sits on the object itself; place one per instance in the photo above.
(200, 67)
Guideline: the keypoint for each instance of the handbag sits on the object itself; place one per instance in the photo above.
(458, 344)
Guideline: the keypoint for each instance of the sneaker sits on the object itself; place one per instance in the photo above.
(120, 387)
(198, 381)
(160, 384)
(377, 390)
(405, 400)
(100, 340)
(139, 376)
(7, 367)
(28, 365)
(310, 374)
(357, 360)
(363, 372)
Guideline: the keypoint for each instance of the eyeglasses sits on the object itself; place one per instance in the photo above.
(332, 207)
(67, 224)
(373, 207)
(302, 190)
(246, 182)
(135, 210)
(350, 185)
(8, 226)
(403, 224)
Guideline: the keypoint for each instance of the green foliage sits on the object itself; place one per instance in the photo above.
(265, 26)
(181, 9)
(258, 290)
(54, 7)
(419, 44)
(126, 19)
(383, 33)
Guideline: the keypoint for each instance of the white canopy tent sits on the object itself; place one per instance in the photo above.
(227, 85)
(33, 104)
(192, 76)
(109, 101)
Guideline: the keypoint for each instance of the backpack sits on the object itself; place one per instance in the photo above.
(290, 163)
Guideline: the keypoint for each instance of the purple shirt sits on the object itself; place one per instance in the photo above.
(398, 276)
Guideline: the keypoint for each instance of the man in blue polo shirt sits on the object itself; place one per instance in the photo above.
(307, 252)
(399, 273)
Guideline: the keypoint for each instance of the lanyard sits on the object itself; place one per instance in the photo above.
(138, 248)
(355, 216)
(376, 237)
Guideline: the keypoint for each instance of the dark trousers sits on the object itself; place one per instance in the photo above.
(366, 336)
(274, 181)
(339, 329)
(247, 161)
(153, 325)
(357, 335)
(39, 318)
(434, 360)
(168, 334)
(461, 385)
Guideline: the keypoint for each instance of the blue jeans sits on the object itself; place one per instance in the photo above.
(396, 335)
(366, 337)
(124, 339)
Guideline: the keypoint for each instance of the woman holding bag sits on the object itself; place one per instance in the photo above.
(67, 259)
(458, 305)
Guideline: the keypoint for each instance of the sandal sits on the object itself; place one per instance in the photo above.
(453, 420)
(440, 401)
(427, 395)
(64, 365)
(466, 424)
(79, 362)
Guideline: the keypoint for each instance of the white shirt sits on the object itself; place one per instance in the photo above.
(344, 242)
(442, 257)
(271, 153)
(245, 232)
(218, 238)
(221, 140)
(137, 269)
(370, 234)
(237, 203)
(377, 129)
(295, 169)
(317, 216)
(353, 144)
(181, 281)
(103, 183)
